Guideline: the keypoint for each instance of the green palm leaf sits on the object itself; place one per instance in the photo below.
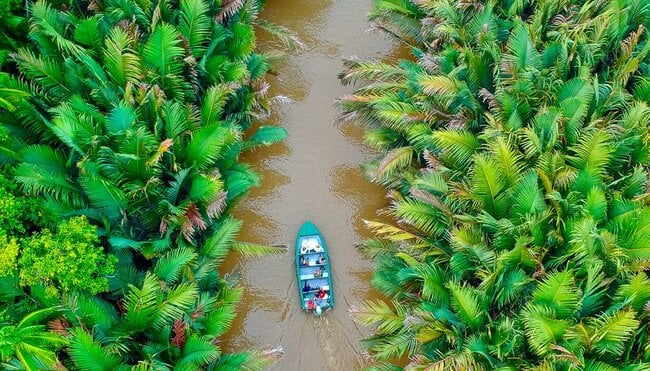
(395, 160)
(388, 318)
(120, 61)
(542, 330)
(176, 302)
(466, 303)
(198, 352)
(87, 354)
(636, 291)
(30, 342)
(214, 101)
(140, 305)
(242, 42)
(357, 70)
(439, 85)
(593, 365)
(50, 24)
(558, 292)
(239, 179)
(219, 320)
(219, 243)
(170, 265)
(120, 119)
(488, 183)
(37, 179)
(162, 51)
(596, 204)
(45, 72)
(249, 249)
(266, 136)
(207, 143)
(507, 159)
(194, 24)
(522, 52)
(593, 152)
(391, 346)
(611, 332)
(527, 197)
(104, 195)
(427, 219)
(458, 146)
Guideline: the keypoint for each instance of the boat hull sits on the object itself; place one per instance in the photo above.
(313, 270)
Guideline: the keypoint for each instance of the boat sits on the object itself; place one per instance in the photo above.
(313, 270)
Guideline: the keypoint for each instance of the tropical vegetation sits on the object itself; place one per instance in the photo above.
(514, 147)
(122, 124)
(12, 27)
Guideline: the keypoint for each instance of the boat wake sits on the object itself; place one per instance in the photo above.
(338, 352)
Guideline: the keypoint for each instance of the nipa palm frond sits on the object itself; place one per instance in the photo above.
(467, 304)
(170, 265)
(558, 293)
(389, 319)
(87, 354)
(610, 333)
(249, 249)
(194, 24)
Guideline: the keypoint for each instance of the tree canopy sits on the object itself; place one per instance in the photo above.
(126, 124)
(515, 150)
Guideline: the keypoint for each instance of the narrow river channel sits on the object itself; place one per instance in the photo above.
(313, 175)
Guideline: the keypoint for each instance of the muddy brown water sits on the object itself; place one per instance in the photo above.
(314, 175)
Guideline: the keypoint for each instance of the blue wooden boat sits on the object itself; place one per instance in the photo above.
(313, 270)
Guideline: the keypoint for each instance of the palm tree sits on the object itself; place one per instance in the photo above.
(515, 151)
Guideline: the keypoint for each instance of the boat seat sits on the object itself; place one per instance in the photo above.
(311, 276)
(310, 245)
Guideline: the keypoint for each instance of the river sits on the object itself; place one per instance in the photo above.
(313, 175)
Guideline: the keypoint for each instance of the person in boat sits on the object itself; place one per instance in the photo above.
(321, 299)
(303, 261)
(321, 260)
(319, 272)
(306, 288)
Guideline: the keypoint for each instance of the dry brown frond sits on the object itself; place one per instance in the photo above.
(228, 9)
(217, 206)
(59, 326)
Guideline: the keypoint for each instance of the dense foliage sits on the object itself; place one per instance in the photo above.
(71, 260)
(34, 273)
(48, 259)
(131, 115)
(13, 27)
(516, 152)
